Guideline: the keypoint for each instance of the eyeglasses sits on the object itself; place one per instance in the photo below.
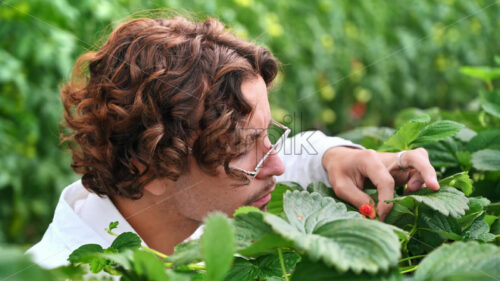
(277, 133)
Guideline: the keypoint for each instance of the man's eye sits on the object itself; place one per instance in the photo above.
(243, 154)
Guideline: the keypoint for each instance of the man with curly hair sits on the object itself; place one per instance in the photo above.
(170, 120)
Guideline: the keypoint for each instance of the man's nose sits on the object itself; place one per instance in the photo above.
(273, 166)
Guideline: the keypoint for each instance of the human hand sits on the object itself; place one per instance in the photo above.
(348, 168)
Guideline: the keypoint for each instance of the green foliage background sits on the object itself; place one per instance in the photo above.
(386, 55)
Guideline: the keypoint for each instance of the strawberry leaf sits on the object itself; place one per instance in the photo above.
(490, 102)
(270, 266)
(275, 206)
(85, 253)
(436, 131)
(460, 261)
(242, 270)
(488, 139)
(407, 133)
(486, 160)
(461, 181)
(186, 253)
(254, 237)
(307, 211)
(147, 265)
(318, 271)
(324, 230)
(448, 200)
(218, 246)
(126, 240)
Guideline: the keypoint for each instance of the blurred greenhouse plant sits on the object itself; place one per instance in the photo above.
(345, 64)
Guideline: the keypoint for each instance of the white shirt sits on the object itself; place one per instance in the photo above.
(81, 216)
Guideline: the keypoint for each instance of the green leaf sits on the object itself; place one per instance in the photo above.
(245, 210)
(476, 209)
(85, 253)
(15, 265)
(461, 181)
(447, 227)
(242, 270)
(218, 246)
(112, 225)
(254, 237)
(465, 134)
(401, 213)
(122, 259)
(327, 191)
(269, 265)
(486, 160)
(464, 159)
(447, 201)
(412, 113)
(342, 240)
(97, 264)
(478, 230)
(275, 206)
(147, 265)
(89, 254)
(172, 275)
(471, 259)
(484, 73)
(495, 229)
(292, 185)
(489, 139)
(265, 245)
(320, 188)
(308, 270)
(443, 153)
(490, 102)
(186, 253)
(126, 240)
(407, 133)
(307, 211)
(436, 131)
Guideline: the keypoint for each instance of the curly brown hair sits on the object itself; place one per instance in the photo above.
(156, 89)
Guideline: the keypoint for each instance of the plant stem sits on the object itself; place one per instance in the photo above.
(411, 258)
(413, 268)
(498, 235)
(191, 266)
(282, 262)
(161, 255)
(412, 232)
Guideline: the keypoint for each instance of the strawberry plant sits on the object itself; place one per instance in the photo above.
(314, 236)
(310, 234)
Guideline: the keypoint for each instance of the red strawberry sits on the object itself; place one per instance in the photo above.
(368, 210)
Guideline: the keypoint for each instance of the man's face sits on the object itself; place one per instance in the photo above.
(199, 193)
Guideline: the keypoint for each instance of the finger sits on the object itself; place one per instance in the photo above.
(419, 160)
(375, 170)
(349, 192)
(415, 183)
(400, 177)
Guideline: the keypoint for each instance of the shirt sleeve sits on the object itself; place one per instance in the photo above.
(302, 156)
